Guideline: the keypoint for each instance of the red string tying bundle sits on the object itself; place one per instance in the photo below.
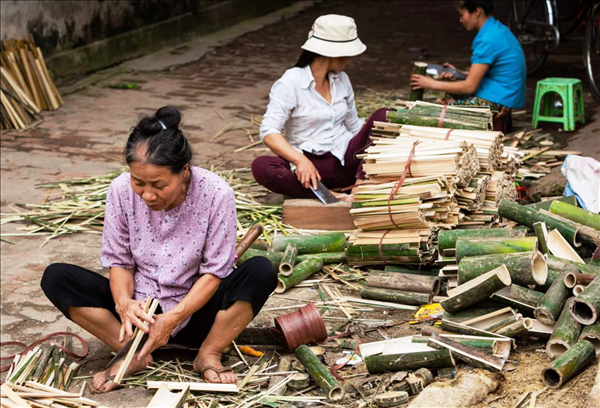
(442, 115)
(393, 193)
(303, 326)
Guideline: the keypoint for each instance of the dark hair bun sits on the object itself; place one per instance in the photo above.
(169, 115)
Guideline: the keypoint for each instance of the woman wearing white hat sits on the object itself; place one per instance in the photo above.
(314, 103)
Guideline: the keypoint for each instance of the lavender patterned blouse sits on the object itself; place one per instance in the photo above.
(170, 250)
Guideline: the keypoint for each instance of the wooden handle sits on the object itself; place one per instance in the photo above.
(251, 236)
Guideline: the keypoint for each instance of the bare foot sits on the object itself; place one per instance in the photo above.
(102, 381)
(216, 374)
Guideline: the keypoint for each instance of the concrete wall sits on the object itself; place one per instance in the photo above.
(78, 37)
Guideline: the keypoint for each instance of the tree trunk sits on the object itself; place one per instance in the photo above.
(568, 364)
(526, 268)
(409, 361)
(301, 271)
(551, 304)
(408, 283)
(396, 296)
(467, 246)
(320, 373)
(565, 334)
(477, 289)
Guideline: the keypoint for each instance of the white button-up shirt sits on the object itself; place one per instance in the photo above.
(311, 123)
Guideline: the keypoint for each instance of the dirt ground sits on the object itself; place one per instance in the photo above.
(85, 137)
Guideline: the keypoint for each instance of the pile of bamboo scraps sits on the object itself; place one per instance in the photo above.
(35, 395)
(26, 84)
(77, 206)
(431, 114)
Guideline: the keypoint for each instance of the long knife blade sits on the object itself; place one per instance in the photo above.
(121, 353)
(323, 194)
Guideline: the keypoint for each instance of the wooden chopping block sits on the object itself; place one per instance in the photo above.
(313, 214)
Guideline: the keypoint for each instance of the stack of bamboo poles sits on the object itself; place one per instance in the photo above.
(430, 114)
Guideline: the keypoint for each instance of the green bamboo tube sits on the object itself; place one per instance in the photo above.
(455, 327)
(274, 257)
(326, 257)
(576, 214)
(301, 271)
(320, 373)
(545, 205)
(477, 289)
(540, 233)
(484, 344)
(374, 258)
(408, 283)
(568, 364)
(586, 306)
(551, 304)
(307, 244)
(525, 295)
(396, 296)
(405, 118)
(516, 328)
(526, 268)
(561, 264)
(288, 260)
(527, 216)
(591, 333)
(409, 361)
(565, 334)
(467, 246)
(412, 271)
(503, 323)
(447, 238)
(417, 94)
(470, 313)
(504, 297)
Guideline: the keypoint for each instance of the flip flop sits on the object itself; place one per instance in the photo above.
(217, 371)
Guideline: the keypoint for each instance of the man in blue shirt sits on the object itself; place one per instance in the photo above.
(497, 74)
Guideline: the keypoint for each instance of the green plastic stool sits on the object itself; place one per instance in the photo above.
(568, 89)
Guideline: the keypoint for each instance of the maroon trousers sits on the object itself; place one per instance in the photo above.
(274, 172)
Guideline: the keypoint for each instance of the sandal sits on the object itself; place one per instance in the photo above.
(217, 371)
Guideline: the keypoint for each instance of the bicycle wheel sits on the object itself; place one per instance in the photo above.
(591, 51)
(530, 21)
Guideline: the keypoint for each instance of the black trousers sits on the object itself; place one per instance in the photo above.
(72, 286)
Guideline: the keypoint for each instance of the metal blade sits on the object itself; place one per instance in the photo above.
(121, 353)
(324, 194)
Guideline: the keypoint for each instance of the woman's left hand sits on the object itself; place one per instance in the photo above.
(421, 82)
(159, 334)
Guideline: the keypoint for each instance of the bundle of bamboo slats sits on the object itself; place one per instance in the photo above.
(387, 158)
(26, 84)
(406, 246)
(431, 114)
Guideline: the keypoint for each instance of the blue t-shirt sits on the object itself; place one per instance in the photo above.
(504, 82)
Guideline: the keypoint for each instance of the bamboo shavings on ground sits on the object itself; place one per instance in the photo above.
(77, 206)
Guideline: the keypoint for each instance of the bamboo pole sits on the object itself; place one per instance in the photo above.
(586, 306)
(396, 296)
(477, 289)
(575, 214)
(419, 68)
(319, 372)
(574, 279)
(568, 364)
(516, 328)
(526, 268)
(566, 333)
(541, 233)
(408, 283)
(409, 361)
(471, 355)
(301, 271)
(308, 244)
(468, 246)
(525, 295)
(288, 260)
(591, 333)
(550, 305)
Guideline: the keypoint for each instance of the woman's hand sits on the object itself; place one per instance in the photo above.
(307, 173)
(421, 82)
(132, 313)
(159, 334)
(448, 75)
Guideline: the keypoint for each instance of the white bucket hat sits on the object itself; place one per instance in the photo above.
(334, 36)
